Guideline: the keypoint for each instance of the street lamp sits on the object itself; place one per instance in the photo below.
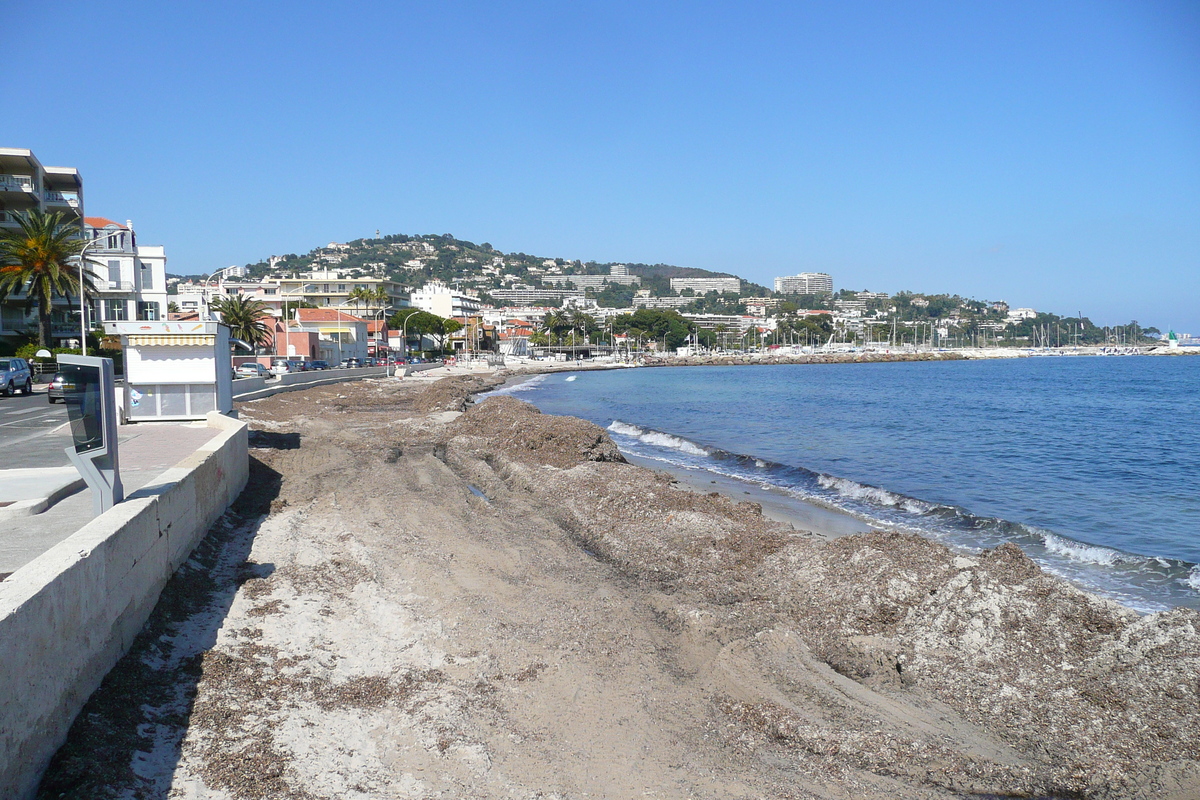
(204, 290)
(302, 290)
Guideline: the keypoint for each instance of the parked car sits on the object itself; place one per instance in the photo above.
(15, 375)
(351, 363)
(281, 366)
(251, 370)
(318, 365)
(55, 392)
(370, 362)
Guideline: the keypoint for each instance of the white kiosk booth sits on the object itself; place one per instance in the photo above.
(175, 370)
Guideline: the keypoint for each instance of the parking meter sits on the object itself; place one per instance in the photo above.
(90, 396)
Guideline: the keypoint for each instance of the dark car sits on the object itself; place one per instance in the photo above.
(318, 365)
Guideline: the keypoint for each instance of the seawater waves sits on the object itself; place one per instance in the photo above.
(1129, 578)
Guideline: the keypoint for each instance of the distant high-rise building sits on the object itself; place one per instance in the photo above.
(805, 283)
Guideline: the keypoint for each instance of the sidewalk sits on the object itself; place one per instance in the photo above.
(146, 450)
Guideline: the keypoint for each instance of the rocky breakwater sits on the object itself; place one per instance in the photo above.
(873, 656)
(707, 360)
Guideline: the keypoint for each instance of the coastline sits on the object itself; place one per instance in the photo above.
(415, 601)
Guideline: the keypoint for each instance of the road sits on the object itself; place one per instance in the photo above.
(33, 432)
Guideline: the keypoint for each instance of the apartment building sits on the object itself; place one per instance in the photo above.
(646, 301)
(706, 285)
(440, 299)
(805, 283)
(332, 288)
(734, 323)
(26, 184)
(131, 279)
(527, 295)
(617, 274)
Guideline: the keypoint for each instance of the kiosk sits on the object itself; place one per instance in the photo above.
(175, 370)
(89, 391)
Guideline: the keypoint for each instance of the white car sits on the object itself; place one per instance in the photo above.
(251, 370)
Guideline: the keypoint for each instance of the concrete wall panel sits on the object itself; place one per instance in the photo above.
(69, 615)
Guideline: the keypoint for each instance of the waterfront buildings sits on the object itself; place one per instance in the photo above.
(805, 283)
(706, 285)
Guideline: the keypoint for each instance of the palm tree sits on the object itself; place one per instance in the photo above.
(36, 258)
(359, 296)
(245, 318)
(553, 322)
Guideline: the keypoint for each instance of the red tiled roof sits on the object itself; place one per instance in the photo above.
(102, 222)
(325, 315)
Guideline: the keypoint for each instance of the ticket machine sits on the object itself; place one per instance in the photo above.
(90, 396)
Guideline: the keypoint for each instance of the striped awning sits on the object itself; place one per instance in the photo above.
(171, 340)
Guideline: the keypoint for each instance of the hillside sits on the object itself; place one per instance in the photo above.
(412, 260)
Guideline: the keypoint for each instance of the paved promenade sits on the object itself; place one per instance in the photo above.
(147, 449)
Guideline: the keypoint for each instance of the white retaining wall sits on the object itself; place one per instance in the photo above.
(70, 614)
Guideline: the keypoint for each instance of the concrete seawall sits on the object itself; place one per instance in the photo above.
(68, 616)
(256, 388)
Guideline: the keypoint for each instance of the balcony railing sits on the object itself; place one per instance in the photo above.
(62, 199)
(16, 183)
(114, 286)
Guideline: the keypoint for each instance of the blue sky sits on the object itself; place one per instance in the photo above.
(1044, 153)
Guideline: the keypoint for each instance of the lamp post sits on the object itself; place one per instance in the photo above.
(82, 297)
(404, 331)
(205, 315)
(302, 290)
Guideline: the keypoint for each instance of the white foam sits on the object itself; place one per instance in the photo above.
(1192, 581)
(657, 438)
(853, 490)
(1078, 551)
(571, 378)
(524, 386)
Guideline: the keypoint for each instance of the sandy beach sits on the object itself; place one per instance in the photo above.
(419, 596)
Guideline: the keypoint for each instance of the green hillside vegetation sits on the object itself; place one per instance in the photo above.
(411, 260)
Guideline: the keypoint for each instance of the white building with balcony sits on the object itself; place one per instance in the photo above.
(131, 282)
(438, 298)
(27, 185)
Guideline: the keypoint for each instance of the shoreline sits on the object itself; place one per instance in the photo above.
(418, 596)
(1144, 593)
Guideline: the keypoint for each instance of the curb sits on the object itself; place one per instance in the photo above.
(36, 505)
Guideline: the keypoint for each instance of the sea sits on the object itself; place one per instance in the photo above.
(1090, 464)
